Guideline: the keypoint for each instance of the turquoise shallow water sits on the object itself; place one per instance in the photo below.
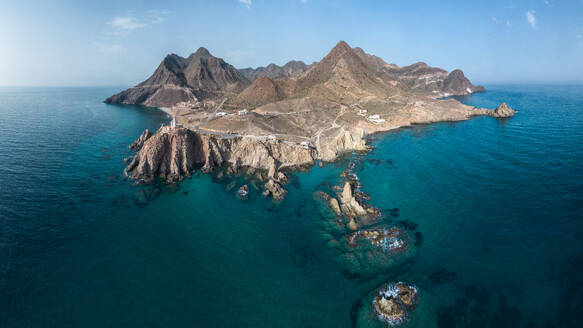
(498, 204)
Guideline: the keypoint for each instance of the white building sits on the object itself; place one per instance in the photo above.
(221, 114)
(376, 119)
(305, 144)
(243, 112)
(362, 112)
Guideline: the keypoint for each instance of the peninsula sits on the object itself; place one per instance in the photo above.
(271, 118)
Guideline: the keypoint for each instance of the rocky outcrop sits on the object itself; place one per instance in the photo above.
(502, 111)
(171, 154)
(350, 206)
(342, 142)
(456, 83)
(138, 144)
(275, 189)
(393, 302)
(334, 206)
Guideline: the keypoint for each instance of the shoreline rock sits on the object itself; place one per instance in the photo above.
(172, 154)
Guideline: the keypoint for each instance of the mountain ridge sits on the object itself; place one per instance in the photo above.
(202, 76)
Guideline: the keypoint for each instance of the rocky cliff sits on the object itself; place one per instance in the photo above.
(172, 154)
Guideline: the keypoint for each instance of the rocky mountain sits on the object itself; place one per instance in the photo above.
(341, 76)
(422, 77)
(274, 71)
(177, 79)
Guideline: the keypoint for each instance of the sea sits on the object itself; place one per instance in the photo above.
(496, 204)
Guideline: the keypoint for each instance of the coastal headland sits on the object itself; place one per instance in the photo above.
(264, 122)
(284, 117)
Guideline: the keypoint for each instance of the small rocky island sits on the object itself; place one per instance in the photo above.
(272, 118)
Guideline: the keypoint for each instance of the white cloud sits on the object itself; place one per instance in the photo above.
(247, 3)
(122, 25)
(530, 18)
(126, 23)
(507, 23)
(546, 2)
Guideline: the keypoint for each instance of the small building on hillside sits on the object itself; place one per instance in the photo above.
(305, 144)
(242, 112)
(376, 119)
(221, 114)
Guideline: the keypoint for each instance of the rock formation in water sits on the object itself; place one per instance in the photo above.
(393, 302)
(502, 111)
(178, 79)
(351, 207)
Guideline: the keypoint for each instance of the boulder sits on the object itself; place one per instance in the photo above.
(275, 189)
(334, 206)
(243, 191)
(352, 225)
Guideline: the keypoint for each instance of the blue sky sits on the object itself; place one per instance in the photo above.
(121, 42)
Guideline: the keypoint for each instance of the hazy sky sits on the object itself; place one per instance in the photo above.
(121, 42)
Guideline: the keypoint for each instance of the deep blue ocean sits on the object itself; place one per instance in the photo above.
(498, 203)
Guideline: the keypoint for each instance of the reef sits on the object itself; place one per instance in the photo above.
(364, 243)
(391, 304)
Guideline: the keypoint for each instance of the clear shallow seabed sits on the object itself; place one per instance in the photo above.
(499, 204)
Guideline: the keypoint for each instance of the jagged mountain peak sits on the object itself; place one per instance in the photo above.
(201, 52)
(341, 46)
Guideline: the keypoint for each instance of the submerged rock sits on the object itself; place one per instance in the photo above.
(387, 239)
(243, 192)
